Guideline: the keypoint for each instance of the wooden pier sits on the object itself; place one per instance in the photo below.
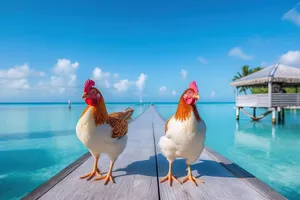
(140, 167)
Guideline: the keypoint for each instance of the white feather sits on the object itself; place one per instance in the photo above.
(98, 138)
(183, 139)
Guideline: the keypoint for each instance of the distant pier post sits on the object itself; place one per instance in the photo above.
(70, 104)
(254, 112)
(274, 116)
(237, 113)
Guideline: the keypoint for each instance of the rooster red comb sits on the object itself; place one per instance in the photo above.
(88, 84)
(194, 86)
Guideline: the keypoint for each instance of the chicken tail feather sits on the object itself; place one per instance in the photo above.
(128, 113)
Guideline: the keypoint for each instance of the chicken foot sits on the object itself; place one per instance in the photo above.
(94, 172)
(191, 177)
(108, 177)
(169, 176)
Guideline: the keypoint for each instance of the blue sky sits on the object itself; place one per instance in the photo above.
(154, 48)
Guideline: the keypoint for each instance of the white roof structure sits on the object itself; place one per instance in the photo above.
(277, 73)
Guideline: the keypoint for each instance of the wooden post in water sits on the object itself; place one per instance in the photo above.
(274, 116)
(237, 113)
(254, 112)
(282, 113)
(279, 112)
(70, 104)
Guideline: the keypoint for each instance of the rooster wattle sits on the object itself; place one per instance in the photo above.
(101, 132)
(185, 134)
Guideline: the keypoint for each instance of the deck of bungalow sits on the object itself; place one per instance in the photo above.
(275, 78)
(140, 167)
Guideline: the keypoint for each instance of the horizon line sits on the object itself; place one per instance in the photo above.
(109, 102)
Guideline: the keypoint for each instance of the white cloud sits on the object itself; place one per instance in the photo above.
(121, 85)
(141, 81)
(65, 67)
(183, 74)
(292, 15)
(101, 77)
(19, 72)
(213, 94)
(15, 79)
(116, 75)
(10, 84)
(162, 89)
(237, 52)
(63, 80)
(99, 74)
(202, 60)
(290, 58)
(174, 92)
(65, 75)
(106, 84)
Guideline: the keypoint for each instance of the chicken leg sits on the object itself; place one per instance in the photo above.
(108, 177)
(169, 176)
(191, 177)
(95, 170)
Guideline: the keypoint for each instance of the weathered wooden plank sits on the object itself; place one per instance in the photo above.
(219, 182)
(42, 189)
(134, 171)
(247, 177)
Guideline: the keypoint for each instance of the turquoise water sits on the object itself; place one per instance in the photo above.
(37, 141)
(271, 153)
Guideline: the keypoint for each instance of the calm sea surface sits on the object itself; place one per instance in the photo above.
(39, 140)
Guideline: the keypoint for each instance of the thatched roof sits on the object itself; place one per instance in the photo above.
(277, 73)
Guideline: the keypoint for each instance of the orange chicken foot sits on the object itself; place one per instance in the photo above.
(169, 176)
(94, 172)
(191, 177)
(108, 177)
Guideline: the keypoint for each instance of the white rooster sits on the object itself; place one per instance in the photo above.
(101, 132)
(185, 134)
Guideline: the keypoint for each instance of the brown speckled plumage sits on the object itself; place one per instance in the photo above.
(124, 114)
(120, 127)
(117, 120)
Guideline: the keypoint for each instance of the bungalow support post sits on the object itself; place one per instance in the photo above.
(237, 113)
(237, 109)
(274, 116)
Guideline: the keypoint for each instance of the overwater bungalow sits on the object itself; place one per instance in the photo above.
(273, 82)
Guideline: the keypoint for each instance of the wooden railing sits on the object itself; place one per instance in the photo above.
(262, 100)
(284, 99)
(253, 100)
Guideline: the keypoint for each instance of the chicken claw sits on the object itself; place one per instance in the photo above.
(95, 171)
(169, 177)
(191, 177)
(108, 177)
(91, 174)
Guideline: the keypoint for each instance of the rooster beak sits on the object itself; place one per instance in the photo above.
(84, 95)
(197, 96)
